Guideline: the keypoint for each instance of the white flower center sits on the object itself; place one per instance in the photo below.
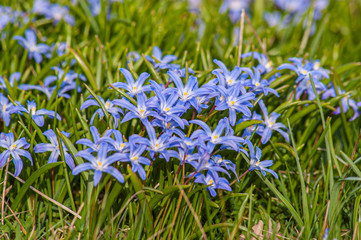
(33, 111)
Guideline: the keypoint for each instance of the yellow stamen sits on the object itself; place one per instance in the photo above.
(304, 72)
(215, 136)
(156, 145)
(210, 182)
(233, 102)
(122, 145)
(134, 88)
(141, 110)
(257, 84)
(135, 158)
(167, 109)
(99, 163)
(107, 105)
(185, 93)
(13, 146)
(258, 162)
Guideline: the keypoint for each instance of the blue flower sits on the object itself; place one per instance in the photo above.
(228, 78)
(15, 76)
(213, 184)
(29, 42)
(271, 125)
(41, 6)
(274, 19)
(167, 105)
(236, 99)
(7, 108)
(258, 85)
(15, 149)
(97, 140)
(159, 144)
(68, 83)
(169, 127)
(235, 8)
(110, 106)
(182, 72)
(118, 144)
(216, 137)
(305, 85)
(346, 102)
(264, 64)
(163, 62)
(135, 158)
(38, 115)
(256, 163)
(57, 13)
(133, 56)
(228, 164)
(101, 163)
(189, 92)
(141, 111)
(304, 70)
(68, 80)
(204, 163)
(53, 147)
(249, 131)
(132, 87)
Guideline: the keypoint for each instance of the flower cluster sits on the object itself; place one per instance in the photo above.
(183, 120)
(55, 12)
(308, 71)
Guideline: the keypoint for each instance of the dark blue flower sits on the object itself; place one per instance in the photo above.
(53, 147)
(15, 149)
(29, 42)
(256, 163)
(101, 163)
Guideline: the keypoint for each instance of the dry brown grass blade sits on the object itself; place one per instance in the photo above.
(193, 212)
(48, 198)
